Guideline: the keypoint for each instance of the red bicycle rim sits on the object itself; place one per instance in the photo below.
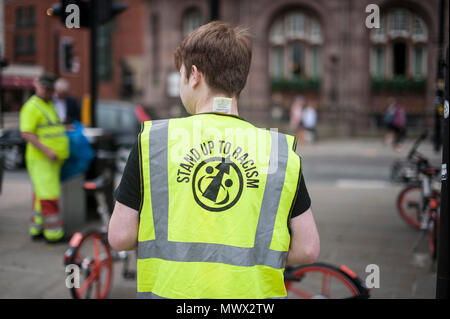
(410, 215)
(327, 275)
(96, 267)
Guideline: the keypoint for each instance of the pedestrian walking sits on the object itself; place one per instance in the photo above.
(296, 118)
(387, 120)
(399, 126)
(309, 122)
(215, 206)
(395, 121)
(47, 148)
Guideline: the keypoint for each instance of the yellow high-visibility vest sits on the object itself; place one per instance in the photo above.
(40, 117)
(217, 193)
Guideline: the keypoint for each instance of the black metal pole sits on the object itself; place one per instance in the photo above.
(3, 63)
(93, 57)
(214, 10)
(1, 96)
(442, 283)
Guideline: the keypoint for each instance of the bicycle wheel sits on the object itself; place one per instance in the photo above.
(93, 257)
(323, 281)
(408, 205)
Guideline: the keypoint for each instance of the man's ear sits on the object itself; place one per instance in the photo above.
(195, 76)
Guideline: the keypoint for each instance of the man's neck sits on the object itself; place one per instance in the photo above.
(206, 106)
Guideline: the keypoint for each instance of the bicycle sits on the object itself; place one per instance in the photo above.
(414, 199)
(90, 251)
(419, 176)
(324, 281)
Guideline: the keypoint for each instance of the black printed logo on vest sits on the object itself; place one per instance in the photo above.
(217, 184)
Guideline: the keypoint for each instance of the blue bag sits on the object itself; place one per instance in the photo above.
(81, 153)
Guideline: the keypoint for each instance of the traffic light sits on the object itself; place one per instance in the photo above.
(108, 9)
(70, 11)
(88, 14)
(103, 11)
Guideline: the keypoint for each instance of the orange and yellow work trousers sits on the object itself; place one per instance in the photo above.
(46, 219)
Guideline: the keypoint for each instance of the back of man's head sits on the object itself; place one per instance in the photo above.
(221, 53)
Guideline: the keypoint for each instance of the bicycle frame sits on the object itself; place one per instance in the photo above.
(428, 214)
(103, 254)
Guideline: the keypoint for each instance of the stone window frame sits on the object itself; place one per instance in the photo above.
(291, 28)
(404, 25)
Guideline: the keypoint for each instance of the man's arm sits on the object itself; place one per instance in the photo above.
(34, 139)
(305, 242)
(123, 228)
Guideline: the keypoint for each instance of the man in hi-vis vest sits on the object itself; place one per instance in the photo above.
(215, 206)
(47, 148)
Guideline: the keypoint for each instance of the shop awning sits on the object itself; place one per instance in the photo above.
(18, 76)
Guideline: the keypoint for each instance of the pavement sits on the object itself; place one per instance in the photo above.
(353, 202)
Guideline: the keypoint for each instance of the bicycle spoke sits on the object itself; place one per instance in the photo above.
(96, 252)
(299, 292)
(99, 284)
(87, 282)
(89, 290)
(326, 281)
(105, 263)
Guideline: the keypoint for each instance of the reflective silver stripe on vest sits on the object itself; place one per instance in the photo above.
(44, 113)
(159, 189)
(37, 220)
(53, 135)
(260, 254)
(48, 125)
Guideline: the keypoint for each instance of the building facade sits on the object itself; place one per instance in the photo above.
(36, 42)
(320, 49)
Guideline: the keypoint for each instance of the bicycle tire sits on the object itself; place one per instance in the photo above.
(433, 238)
(91, 269)
(411, 216)
(347, 278)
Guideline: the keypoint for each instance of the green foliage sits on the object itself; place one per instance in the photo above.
(295, 84)
(399, 84)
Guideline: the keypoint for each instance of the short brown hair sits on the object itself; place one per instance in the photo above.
(222, 53)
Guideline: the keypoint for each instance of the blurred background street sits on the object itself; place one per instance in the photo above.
(357, 91)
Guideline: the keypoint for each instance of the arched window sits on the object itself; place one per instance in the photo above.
(192, 19)
(295, 40)
(399, 46)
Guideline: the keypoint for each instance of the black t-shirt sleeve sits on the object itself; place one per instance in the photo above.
(129, 190)
(303, 201)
